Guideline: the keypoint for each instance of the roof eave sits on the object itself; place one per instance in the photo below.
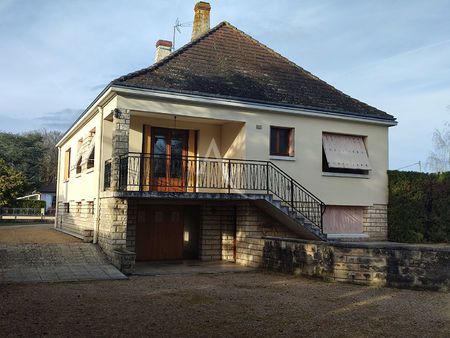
(100, 98)
(220, 99)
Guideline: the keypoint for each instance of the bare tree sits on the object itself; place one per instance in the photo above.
(439, 159)
(50, 161)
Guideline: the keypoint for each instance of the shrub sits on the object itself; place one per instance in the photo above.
(29, 204)
(419, 207)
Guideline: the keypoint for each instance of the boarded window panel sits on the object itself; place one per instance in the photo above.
(342, 220)
(67, 165)
(345, 151)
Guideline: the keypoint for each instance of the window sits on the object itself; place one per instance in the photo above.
(79, 166)
(67, 165)
(91, 159)
(91, 207)
(91, 150)
(281, 141)
(344, 154)
(79, 155)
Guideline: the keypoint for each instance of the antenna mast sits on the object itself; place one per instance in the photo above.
(176, 27)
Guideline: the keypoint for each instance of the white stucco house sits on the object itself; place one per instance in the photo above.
(45, 193)
(216, 144)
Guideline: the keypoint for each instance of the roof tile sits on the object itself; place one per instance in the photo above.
(229, 63)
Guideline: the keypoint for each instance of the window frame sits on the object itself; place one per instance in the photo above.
(290, 144)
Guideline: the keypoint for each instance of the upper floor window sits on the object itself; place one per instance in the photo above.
(91, 150)
(281, 141)
(91, 159)
(67, 164)
(346, 154)
(79, 155)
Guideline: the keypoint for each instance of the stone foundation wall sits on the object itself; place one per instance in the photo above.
(217, 232)
(131, 224)
(112, 233)
(403, 266)
(375, 222)
(79, 219)
(218, 224)
(252, 224)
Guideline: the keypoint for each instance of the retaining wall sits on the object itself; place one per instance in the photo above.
(381, 264)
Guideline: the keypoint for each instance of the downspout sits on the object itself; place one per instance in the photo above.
(99, 178)
(58, 186)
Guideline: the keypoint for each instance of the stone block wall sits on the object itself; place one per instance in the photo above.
(217, 232)
(112, 233)
(120, 142)
(375, 223)
(252, 224)
(79, 219)
(219, 220)
(403, 266)
(131, 224)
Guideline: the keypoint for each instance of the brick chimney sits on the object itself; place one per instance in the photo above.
(201, 19)
(162, 49)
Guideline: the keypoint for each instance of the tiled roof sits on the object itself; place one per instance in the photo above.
(50, 188)
(229, 63)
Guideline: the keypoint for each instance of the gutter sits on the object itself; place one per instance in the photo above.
(87, 112)
(222, 101)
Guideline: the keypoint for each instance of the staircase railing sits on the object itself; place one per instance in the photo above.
(152, 172)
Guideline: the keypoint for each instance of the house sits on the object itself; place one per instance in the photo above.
(217, 144)
(45, 193)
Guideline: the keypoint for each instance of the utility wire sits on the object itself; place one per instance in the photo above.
(407, 166)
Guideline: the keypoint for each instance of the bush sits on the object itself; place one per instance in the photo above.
(29, 204)
(419, 207)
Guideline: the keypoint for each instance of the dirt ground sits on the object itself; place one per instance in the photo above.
(33, 233)
(237, 304)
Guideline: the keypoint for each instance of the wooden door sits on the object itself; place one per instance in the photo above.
(166, 168)
(159, 233)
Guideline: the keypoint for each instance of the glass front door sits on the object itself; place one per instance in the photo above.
(168, 161)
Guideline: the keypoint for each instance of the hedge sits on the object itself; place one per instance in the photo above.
(419, 207)
(29, 204)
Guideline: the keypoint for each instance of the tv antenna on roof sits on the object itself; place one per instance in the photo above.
(177, 26)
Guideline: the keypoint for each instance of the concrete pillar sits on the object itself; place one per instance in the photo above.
(120, 142)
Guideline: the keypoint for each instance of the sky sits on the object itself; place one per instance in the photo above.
(57, 56)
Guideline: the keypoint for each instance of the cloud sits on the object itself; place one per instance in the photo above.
(60, 120)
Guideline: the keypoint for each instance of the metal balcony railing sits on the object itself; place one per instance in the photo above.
(152, 172)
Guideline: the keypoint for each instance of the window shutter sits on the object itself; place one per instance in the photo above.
(345, 151)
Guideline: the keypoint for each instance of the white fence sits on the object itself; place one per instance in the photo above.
(22, 213)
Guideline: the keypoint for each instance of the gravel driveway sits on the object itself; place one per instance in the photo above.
(236, 304)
